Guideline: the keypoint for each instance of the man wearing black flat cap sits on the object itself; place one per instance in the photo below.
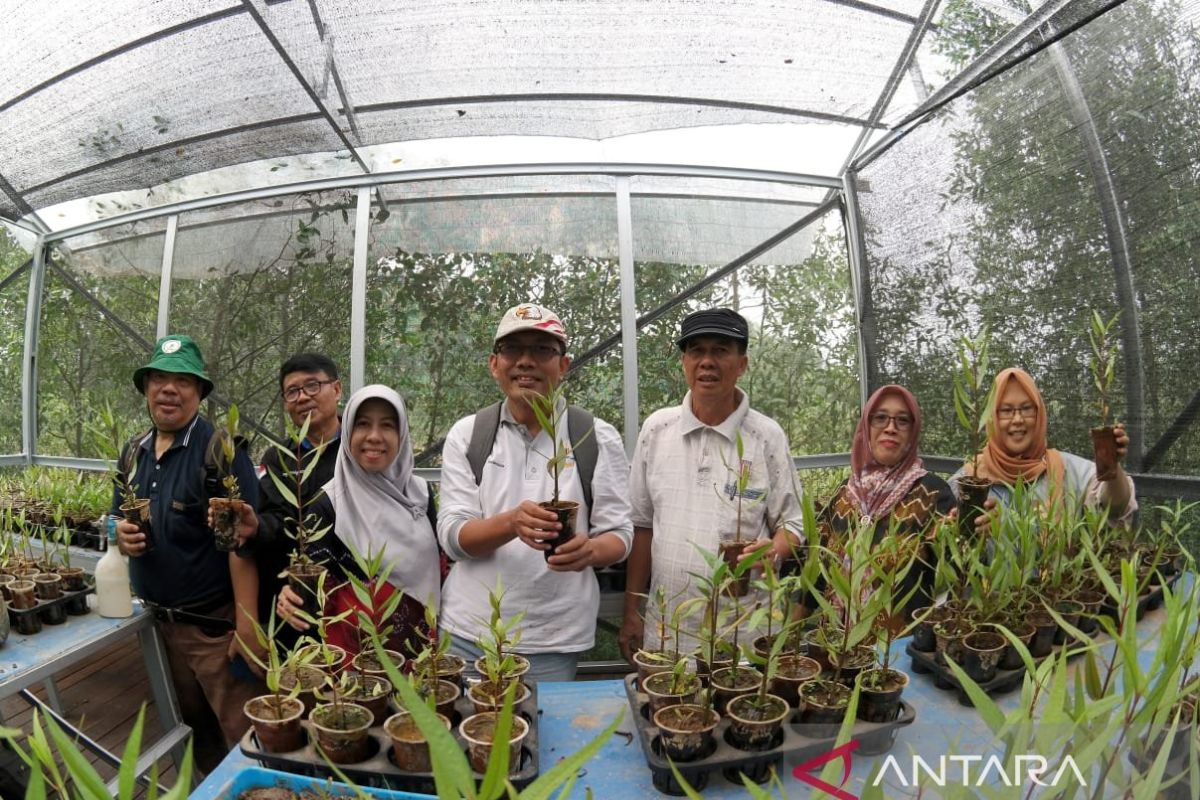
(684, 479)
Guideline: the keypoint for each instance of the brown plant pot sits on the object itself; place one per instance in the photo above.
(374, 692)
(74, 579)
(754, 726)
(1092, 601)
(659, 691)
(687, 731)
(410, 750)
(367, 662)
(1069, 610)
(521, 662)
(479, 730)
(47, 586)
(447, 694)
(139, 511)
(328, 658)
(949, 635)
(846, 668)
(1045, 628)
(342, 731)
(278, 730)
(5, 580)
(488, 696)
(982, 653)
(646, 663)
(225, 523)
(567, 512)
(825, 704)
(303, 580)
(923, 638)
(726, 685)
(308, 679)
(729, 554)
(972, 494)
(451, 668)
(724, 658)
(879, 697)
(1011, 658)
(23, 594)
(791, 673)
(1104, 447)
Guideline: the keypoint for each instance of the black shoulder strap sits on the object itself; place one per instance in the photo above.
(584, 447)
(483, 438)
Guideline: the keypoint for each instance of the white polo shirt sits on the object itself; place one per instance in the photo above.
(682, 486)
(560, 607)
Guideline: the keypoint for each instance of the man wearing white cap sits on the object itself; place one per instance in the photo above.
(493, 476)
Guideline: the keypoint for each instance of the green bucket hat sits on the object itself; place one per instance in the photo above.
(175, 354)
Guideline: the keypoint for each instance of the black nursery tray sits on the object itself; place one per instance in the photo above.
(925, 663)
(379, 770)
(791, 746)
(75, 603)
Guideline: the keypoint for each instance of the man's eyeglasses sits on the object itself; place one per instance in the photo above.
(880, 420)
(511, 351)
(1027, 411)
(311, 388)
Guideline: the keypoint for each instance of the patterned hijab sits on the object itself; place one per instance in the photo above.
(386, 510)
(876, 488)
(997, 464)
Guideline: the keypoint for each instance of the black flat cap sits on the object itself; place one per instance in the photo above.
(713, 322)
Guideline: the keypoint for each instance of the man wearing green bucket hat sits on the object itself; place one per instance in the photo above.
(174, 563)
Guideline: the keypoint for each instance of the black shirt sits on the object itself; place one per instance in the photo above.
(184, 568)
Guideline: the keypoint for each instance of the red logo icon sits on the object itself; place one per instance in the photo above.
(808, 771)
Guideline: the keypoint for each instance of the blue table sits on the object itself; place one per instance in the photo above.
(574, 713)
(37, 658)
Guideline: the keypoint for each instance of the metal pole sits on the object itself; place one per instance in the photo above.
(33, 319)
(860, 283)
(164, 280)
(629, 351)
(358, 291)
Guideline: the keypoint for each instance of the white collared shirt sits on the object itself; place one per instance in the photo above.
(560, 607)
(682, 487)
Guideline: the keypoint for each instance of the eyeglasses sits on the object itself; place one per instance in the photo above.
(880, 420)
(512, 351)
(1027, 411)
(311, 388)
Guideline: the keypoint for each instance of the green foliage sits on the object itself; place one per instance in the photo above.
(974, 390)
(552, 419)
(1103, 362)
(304, 527)
(501, 637)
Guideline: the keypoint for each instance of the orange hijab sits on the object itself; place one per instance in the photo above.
(997, 464)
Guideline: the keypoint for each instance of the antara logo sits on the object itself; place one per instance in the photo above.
(951, 770)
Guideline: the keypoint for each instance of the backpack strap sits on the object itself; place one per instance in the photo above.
(483, 438)
(583, 446)
(214, 458)
(585, 449)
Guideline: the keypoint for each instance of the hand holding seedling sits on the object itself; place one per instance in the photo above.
(532, 524)
(247, 527)
(130, 538)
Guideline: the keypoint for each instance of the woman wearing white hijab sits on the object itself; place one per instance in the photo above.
(375, 502)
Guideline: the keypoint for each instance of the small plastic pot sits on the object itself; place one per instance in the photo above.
(139, 512)
(479, 731)
(792, 673)
(648, 665)
(1011, 658)
(341, 731)
(687, 731)
(753, 727)
(923, 638)
(309, 679)
(982, 653)
(659, 691)
(726, 688)
(410, 750)
(567, 512)
(487, 696)
(521, 666)
(879, 696)
(825, 704)
(1104, 448)
(278, 731)
(304, 580)
(972, 494)
(367, 662)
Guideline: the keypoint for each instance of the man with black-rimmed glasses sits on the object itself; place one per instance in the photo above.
(311, 390)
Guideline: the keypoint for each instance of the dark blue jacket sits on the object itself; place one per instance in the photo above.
(185, 568)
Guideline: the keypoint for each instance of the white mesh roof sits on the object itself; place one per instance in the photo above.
(133, 94)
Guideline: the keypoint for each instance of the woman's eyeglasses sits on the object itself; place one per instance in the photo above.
(880, 420)
(310, 388)
(1027, 411)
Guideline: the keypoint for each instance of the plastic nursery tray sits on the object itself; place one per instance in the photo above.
(77, 608)
(253, 778)
(379, 770)
(1006, 680)
(790, 745)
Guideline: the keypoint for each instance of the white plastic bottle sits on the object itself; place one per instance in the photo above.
(113, 598)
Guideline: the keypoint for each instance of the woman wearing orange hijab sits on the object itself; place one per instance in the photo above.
(1016, 449)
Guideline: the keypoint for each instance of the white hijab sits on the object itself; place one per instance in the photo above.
(386, 509)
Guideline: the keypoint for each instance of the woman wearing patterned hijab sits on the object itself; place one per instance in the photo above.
(1017, 450)
(376, 504)
(888, 483)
